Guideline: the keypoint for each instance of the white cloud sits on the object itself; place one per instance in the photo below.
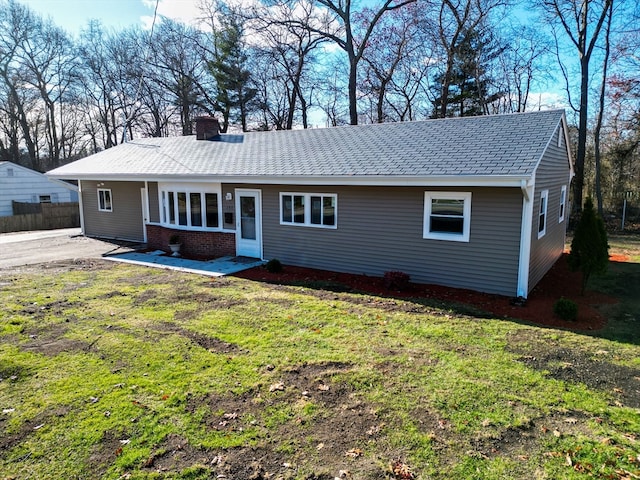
(547, 101)
(186, 11)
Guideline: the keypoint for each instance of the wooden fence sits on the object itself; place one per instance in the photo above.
(41, 216)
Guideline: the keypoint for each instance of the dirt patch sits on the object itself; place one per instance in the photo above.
(112, 294)
(175, 454)
(55, 347)
(9, 440)
(105, 452)
(538, 309)
(38, 311)
(205, 300)
(60, 266)
(213, 344)
(50, 341)
(620, 382)
(145, 296)
(514, 442)
(329, 429)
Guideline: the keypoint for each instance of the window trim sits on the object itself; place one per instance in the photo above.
(164, 191)
(543, 215)
(307, 210)
(563, 203)
(466, 216)
(102, 200)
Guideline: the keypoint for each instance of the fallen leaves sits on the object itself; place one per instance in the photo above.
(354, 453)
(277, 387)
(443, 424)
(401, 470)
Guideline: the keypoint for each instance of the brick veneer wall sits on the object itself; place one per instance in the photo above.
(194, 244)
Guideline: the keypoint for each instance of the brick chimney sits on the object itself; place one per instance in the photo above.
(207, 128)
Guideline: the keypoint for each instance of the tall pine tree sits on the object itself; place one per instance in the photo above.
(590, 247)
(469, 81)
(229, 69)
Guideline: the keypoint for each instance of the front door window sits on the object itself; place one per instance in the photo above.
(248, 217)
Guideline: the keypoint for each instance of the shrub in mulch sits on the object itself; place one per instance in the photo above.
(396, 280)
(538, 308)
(566, 309)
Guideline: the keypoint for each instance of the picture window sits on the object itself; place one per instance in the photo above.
(447, 216)
(104, 200)
(309, 209)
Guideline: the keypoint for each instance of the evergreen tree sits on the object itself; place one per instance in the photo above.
(229, 69)
(589, 248)
(469, 81)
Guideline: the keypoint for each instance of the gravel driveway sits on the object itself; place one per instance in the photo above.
(28, 248)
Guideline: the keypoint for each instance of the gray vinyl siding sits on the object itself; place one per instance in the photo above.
(380, 229)
(552, 173)
(154, 207)
(124, 222)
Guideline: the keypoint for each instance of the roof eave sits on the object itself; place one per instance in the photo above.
(337, 180)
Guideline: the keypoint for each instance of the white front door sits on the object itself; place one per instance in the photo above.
(248, 223)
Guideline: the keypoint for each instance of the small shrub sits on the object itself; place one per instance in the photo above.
(273, 266)
(174, 239)
(566, 309)
(396, 280)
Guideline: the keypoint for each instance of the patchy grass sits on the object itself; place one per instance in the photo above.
(622, 281)
(114, 371)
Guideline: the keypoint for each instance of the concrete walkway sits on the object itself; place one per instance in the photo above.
(212, 268)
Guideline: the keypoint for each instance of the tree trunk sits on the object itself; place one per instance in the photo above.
(578, 184)
(353, 90)
(603, 89)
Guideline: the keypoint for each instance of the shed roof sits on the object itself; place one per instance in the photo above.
(497, 146)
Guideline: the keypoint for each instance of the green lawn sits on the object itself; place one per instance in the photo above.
(115, 371)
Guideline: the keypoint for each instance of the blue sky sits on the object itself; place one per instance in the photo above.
(73, 15)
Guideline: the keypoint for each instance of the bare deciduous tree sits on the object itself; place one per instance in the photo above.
(581, 22)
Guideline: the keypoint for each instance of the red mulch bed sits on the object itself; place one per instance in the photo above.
(558, 282)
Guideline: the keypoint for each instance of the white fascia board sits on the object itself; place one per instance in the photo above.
(565, 128)
(347, 180)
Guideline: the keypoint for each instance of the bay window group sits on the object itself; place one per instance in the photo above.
(191, 206)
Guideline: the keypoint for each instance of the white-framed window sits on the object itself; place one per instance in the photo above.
(104, 200)
(44, 199)
(309, 209)
(563, 203)
(447, 216)
(195, 206)
(542, 213)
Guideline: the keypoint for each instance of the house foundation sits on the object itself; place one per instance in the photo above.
(194, 244)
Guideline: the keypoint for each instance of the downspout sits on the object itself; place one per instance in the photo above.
(81, 207)
(145, 211)
(525, 238)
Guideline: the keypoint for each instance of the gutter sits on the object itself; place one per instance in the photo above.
(514, 181)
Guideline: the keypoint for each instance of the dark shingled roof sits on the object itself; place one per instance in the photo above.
(499, 145)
